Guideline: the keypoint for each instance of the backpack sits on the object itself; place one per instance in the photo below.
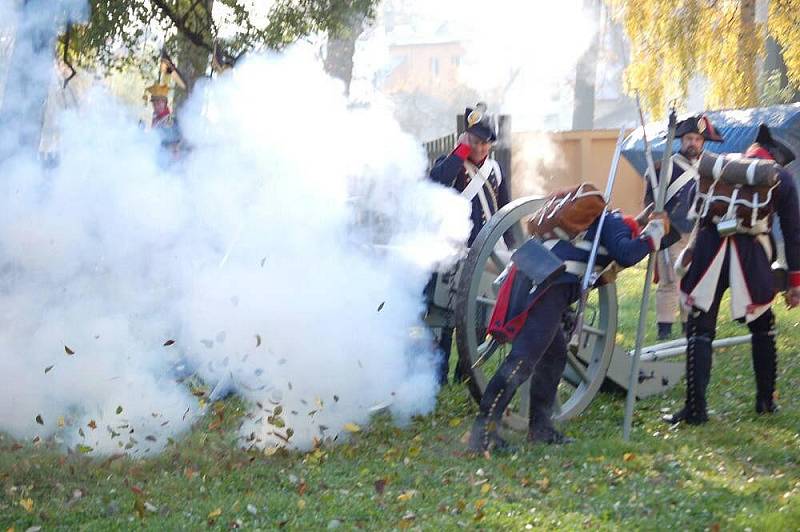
(567, 213)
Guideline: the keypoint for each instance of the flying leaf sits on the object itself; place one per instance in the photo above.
(119, 410)
(380, 307)
(61, 421)
(258, 340)
(48, 368)
(169, 343)
(352, 427)
(278, 410)
(39, 419)
(92, 424)
(83, 449)
(81, 433)
(150, 438)
(336, 398)
(69, 351)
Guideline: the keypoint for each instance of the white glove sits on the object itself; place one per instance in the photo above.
(655, 231)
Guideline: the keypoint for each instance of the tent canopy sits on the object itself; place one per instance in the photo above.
(737, 126)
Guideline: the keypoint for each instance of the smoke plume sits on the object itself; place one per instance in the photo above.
(282, 257)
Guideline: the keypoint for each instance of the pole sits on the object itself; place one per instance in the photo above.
(633, 380)
(588, 276)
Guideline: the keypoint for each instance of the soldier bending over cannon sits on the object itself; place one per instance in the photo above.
(532, 303)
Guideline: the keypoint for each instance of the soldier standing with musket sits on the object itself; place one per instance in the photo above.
(733, 248)
(694, 132)
(478, 178)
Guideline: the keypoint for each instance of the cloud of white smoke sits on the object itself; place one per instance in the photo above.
(285, 254)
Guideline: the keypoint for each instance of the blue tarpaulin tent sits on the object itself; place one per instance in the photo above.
(738, 127)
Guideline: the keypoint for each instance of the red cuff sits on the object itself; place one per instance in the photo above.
(462, 151)
(794, 279)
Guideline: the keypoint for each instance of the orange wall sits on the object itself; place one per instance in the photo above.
(543, 162)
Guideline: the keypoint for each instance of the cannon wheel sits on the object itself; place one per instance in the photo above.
(475, 300)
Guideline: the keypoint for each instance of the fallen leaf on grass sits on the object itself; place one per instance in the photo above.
(214, 514)
(486, 488)
(627, 457)
(456, 421)
(27, 504)
(406, 495)
(380, 486)
(301, 504)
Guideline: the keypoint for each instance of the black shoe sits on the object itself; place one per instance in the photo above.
(664, 331)
(766, 405)
(550, 437)
(691, 418)
(484, 438)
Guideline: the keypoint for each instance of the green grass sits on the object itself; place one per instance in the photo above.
(739, 471)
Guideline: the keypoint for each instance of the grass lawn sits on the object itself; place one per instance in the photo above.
(738, 472)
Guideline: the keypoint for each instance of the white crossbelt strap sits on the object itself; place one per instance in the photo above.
(479, 176)
(689, 173)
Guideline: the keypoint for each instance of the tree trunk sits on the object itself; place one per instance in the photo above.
(746, 52)
(191, 60)
(585, 74)
(340, 51)
(30, 74)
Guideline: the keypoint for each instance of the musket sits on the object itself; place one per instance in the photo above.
(633, 379)
(589, 277)
(669, 273)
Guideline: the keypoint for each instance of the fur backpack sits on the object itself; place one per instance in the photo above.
(567, 213)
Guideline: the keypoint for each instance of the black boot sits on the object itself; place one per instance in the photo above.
(698, 374)
(544, 387)
(664, 330)
(484, 437)
(765, 362)
(541, 430)
(445, 345)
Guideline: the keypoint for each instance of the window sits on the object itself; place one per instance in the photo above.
(435, 66)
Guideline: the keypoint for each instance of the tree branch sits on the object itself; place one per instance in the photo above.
(194, 37)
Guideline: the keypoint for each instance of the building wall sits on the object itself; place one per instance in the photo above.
(544, 162)
(430, 68)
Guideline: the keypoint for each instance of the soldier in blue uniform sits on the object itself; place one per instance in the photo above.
(694, 132)
(739, 256)
(478, 178)
(533, 319)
